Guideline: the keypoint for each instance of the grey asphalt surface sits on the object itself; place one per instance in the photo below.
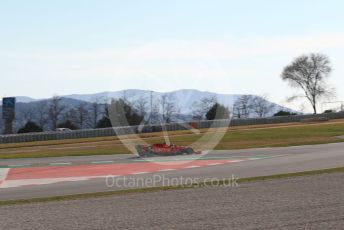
(310, 202)
(284, 160)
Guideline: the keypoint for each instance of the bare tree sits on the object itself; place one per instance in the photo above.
(96, 110)
(42, 115)
(55, 110)
(261, 106)
(141, 106)
(242, 106)
(122, 114)
(203, 106)
(80, 116)
(309, 73)
(218, 111)
(27, 113)
(168, 107)
(155, 113)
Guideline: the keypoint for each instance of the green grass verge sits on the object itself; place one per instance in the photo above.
(165, 188)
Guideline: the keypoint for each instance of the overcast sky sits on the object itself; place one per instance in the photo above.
(79, 46)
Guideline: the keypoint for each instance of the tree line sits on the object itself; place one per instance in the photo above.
(52, 114)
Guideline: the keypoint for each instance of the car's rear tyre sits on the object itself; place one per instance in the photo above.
(189, 151)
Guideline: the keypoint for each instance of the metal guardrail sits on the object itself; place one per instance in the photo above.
(88, 133)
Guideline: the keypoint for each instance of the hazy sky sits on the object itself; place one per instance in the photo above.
(78, 46)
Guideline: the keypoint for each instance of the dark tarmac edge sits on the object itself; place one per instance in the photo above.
(165, 188)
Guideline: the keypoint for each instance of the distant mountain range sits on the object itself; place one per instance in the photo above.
(185, 100)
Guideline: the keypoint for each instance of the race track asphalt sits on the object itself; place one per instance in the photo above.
(309, 202)
(269, 161)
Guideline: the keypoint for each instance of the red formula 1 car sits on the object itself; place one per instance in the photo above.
(164, 150)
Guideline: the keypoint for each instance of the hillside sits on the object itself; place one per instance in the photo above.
(185, 98)
(185, 101)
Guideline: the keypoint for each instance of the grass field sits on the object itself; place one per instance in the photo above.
(234, 138)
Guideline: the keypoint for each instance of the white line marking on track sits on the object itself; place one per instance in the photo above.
(235, 161)
(3, 175)
(36, 182)
(138, 173)
(192, 166)
(213, 164)
(166, 170)
(61, 163)
(17, 165)
(101, 162)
